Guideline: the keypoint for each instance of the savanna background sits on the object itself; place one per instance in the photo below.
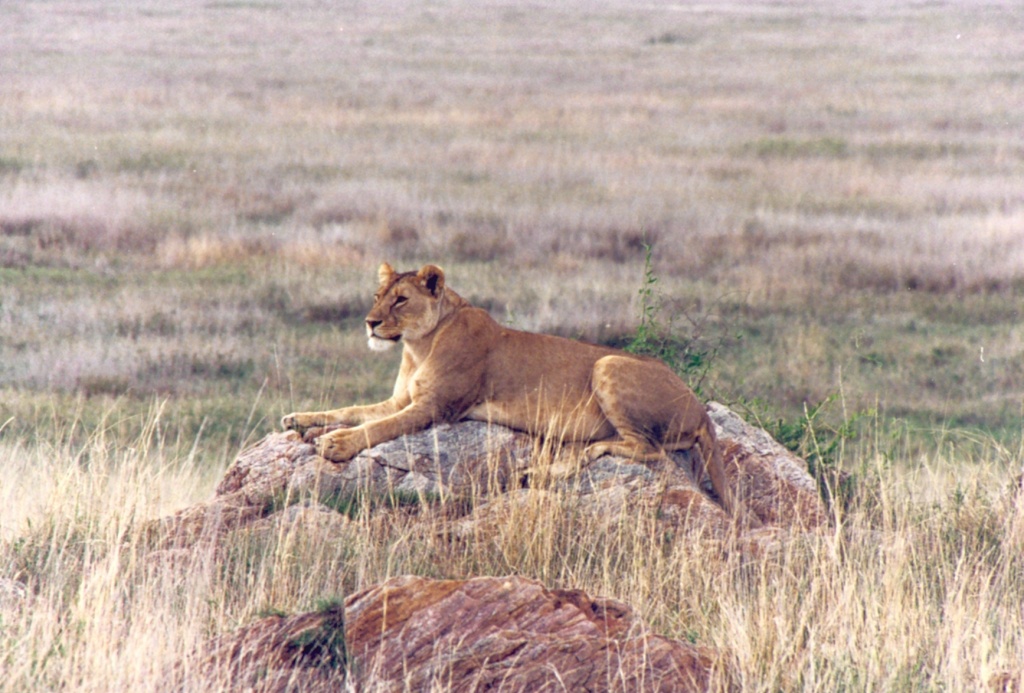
(829, 196)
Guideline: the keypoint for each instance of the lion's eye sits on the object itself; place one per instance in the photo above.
(400, 300)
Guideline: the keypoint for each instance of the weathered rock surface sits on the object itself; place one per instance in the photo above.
(493, 463)
(773, 482)
(492, 633)
(464, 458)
(447, 458)
(511, 633)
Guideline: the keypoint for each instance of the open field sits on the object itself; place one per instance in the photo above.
(194, 198)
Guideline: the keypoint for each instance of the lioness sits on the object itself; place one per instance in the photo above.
(458, 363)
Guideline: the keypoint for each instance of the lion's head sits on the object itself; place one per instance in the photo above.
(407, 305)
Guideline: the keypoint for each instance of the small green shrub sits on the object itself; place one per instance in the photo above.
(324, 646)
(686, 356)
(819, 440)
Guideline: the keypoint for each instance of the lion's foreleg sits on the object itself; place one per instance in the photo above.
(344, 444)
(346, 416)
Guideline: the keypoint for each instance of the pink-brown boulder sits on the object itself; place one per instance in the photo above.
(491, 633)
(511, 634)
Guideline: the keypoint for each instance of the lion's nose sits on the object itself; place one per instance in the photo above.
(372, 324)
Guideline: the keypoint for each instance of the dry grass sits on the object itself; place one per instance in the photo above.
(910, 591)
(194, 199)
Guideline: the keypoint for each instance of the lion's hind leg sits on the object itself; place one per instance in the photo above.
(635, 450)
(622, 387)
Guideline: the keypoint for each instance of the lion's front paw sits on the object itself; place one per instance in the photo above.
(300, 422)
(340, 446)
(592, 452)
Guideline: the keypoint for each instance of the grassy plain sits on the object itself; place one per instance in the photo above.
(194, 198)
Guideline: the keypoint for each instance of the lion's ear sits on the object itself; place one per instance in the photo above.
(432, 277)
(385, 273)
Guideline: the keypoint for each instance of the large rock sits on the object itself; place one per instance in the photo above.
(469, 457)
(772, 482)
(490, 633)
(463, 459)
(492, 464)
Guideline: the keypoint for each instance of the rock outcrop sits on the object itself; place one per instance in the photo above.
(513, 634)
(490, 633)
(772, 484)
(468, 458)
(492, 465)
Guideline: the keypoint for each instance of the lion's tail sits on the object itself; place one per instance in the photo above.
(714, 464)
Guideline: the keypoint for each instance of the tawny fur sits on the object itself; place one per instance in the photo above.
(458, 363)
